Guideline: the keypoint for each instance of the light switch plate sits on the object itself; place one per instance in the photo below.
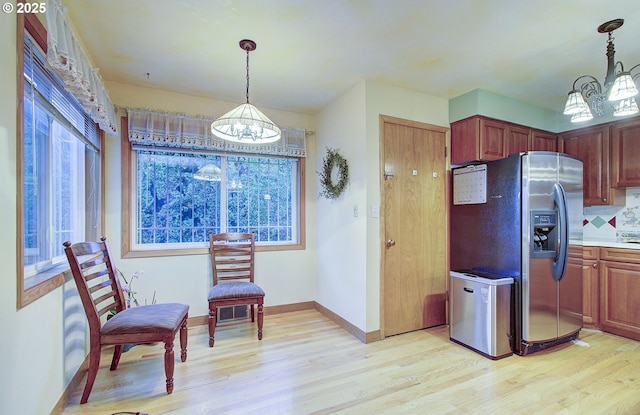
(375, 211)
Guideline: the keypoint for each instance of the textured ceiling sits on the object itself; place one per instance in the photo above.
(312, 51)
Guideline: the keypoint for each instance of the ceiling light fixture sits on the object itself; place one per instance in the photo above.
(246, 121)
(619, 87)
(209, 173)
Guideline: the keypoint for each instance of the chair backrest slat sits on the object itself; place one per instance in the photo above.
(108, 296)
(93, 262)
(94, 275)
(96, 280)
(232, 256)
(94, 285)
(104, 310)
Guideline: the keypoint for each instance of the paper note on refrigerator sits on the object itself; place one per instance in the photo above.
(470, 185)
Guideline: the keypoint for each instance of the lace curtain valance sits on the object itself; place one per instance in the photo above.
(194, 132)
(67, 58)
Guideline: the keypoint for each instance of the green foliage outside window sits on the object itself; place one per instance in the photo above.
(255, 194)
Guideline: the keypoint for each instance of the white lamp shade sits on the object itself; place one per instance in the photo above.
(575, 104)
(626, 107)
(623, 87)
(582, 116)
(246, 122)
(209, 172)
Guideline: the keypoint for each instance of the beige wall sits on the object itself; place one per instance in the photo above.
(45, 342)
(349, 247)
(287, 276)
(36, 361)
(341, 276)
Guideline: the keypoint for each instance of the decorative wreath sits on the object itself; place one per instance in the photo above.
(332, 190)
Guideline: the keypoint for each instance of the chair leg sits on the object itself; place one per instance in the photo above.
(213, 310)
(94, 364)
(252, 314)
(168, 364)
(259, 320)
(117, 352)
(183, 340)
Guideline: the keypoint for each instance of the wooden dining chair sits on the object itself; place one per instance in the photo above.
(232, 263)
(100, 291)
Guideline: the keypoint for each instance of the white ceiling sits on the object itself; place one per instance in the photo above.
(312, 51)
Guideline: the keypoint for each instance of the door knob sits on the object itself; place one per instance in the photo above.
(390, 243)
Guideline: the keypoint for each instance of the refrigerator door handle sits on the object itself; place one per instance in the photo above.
(562, 253)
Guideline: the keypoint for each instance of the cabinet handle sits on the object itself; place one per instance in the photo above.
(594, 265)
(604, 199)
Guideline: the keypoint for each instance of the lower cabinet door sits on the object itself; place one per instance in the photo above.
(620, 298)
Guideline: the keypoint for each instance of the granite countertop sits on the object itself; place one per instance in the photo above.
(612, 244)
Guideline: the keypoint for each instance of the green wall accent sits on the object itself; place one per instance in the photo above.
(489, 104)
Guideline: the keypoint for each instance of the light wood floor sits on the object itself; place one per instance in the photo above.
(306, 364)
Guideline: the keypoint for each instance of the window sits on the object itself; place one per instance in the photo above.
(176, 211)
(59, 171)
(171, 212)
(53, 190)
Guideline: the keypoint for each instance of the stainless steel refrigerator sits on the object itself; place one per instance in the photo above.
(521, 217)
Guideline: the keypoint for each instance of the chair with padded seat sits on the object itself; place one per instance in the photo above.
(100, 291)
(232, 263)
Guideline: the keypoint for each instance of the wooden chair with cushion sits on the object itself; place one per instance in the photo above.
(232, 259)
(100, 291)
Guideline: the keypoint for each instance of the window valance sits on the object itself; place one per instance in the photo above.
(194, 132)
(67, 58)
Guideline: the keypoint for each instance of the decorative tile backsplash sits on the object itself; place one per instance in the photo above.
(614, 223)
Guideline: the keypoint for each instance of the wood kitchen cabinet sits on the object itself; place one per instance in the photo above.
(591, 145)
(625, 153)
(590, 287)
(542, 141)
(482, 138)
(620, 292)
(478, 138)
(517, 139)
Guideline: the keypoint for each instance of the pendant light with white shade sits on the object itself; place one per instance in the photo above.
(246, 122)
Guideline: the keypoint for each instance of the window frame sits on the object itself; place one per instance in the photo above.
(129, 173)
(34, 287)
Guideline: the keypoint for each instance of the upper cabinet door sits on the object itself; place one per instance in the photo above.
(591, 145)
(543, 141)
(493, 139)
(517, 139)
(478, 138)
(625, 153)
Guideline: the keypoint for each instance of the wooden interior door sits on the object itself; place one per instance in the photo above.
(414, 226)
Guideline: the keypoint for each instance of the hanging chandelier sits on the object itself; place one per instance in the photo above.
(619, 88)
(209, 173)
(246, 122)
